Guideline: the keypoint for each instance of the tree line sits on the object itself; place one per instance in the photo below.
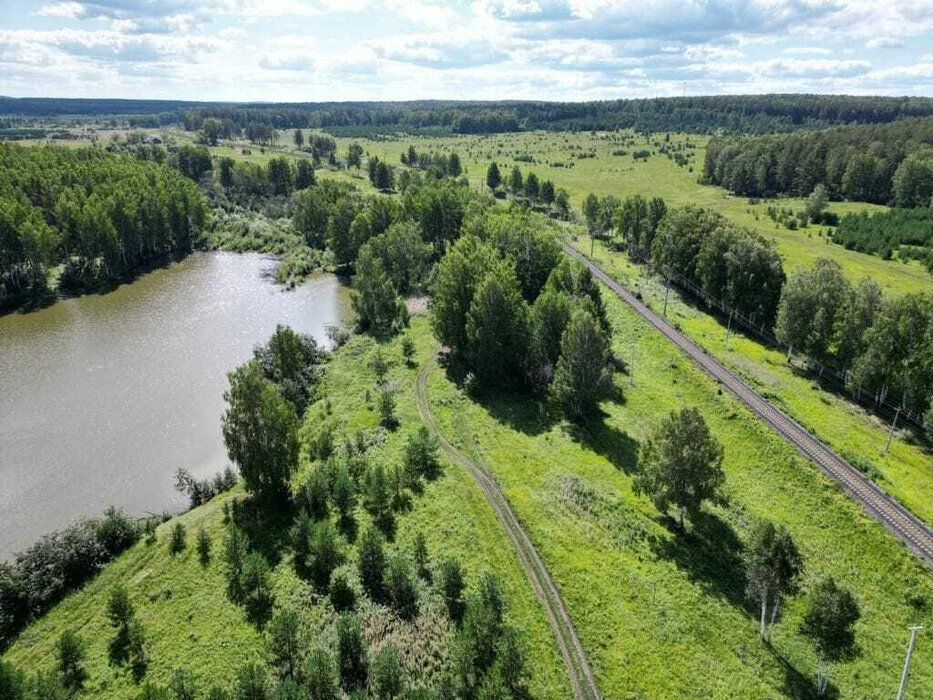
(882, 346)
(756, 114)
(885, 164)
(96, 214)
(694, 247)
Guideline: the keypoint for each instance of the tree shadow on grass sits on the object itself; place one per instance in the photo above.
(267, 524)
(596, 434)
(798, 685)
(710, 553)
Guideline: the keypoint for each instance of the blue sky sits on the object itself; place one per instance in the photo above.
(314, 50)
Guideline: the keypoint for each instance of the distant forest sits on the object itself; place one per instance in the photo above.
(882, 163)
(747, 114)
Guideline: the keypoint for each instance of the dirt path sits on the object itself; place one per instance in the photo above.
(581, 677)
(896, 518)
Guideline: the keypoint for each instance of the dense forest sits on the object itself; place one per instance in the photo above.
(884, 164)
(98, 215)
(753, 114)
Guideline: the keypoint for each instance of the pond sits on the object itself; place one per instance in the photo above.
(103, 397)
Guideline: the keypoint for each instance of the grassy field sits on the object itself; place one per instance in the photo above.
(191, 624)
(659, 614)
(662, 615)
(583, 162)
(905, 471)
(605, 173)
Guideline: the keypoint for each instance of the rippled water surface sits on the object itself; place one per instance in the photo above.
(103, 397)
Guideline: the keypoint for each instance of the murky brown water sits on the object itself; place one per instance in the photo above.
(103, 397)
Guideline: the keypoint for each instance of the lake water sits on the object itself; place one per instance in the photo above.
(103, 397)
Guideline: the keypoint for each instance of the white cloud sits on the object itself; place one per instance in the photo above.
(805, 50)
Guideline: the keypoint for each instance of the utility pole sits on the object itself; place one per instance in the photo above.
(667, 293)
(910, 650)
(728, 330)
(891, 434)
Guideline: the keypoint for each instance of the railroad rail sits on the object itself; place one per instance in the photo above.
(903, 524)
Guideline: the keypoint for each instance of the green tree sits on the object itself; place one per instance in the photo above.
(292, 361)
(773, 566)
(347, 230)
(496, 327)
(548, 318)
(260, 430)
(311, 212)
(405, 257)
(681, 464)
(811, 307)
(454, 169)
(304, 174)
(236, 546)
(183, 685)
(351, 654)
(591, 213)
(372, 563)
(379, 309)
(177, 542)
(342, 595)
(451, 584)
(283, 643)
(532, 187)
(829, 619)
(385, 177)
(582, 375)
(388, 676)
(204, 547)
(325, 554)
(321, 676)
(72, 651)
(122, 614)
(386, 399)
(252, 683)
(493, 177)
(299, 138)
(515, 181)
(354, 155)
(547, 192)
(912, 183)
(344, 495)
(422, 455)
(817, 203)
(408, 350)
(420, 554)
(402, 591)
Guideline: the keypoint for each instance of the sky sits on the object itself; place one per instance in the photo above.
(323, 50)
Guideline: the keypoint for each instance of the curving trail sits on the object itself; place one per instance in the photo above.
(581, 676)
(898, 520)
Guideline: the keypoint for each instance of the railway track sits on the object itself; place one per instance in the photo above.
(898, 520)
(578, 668)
